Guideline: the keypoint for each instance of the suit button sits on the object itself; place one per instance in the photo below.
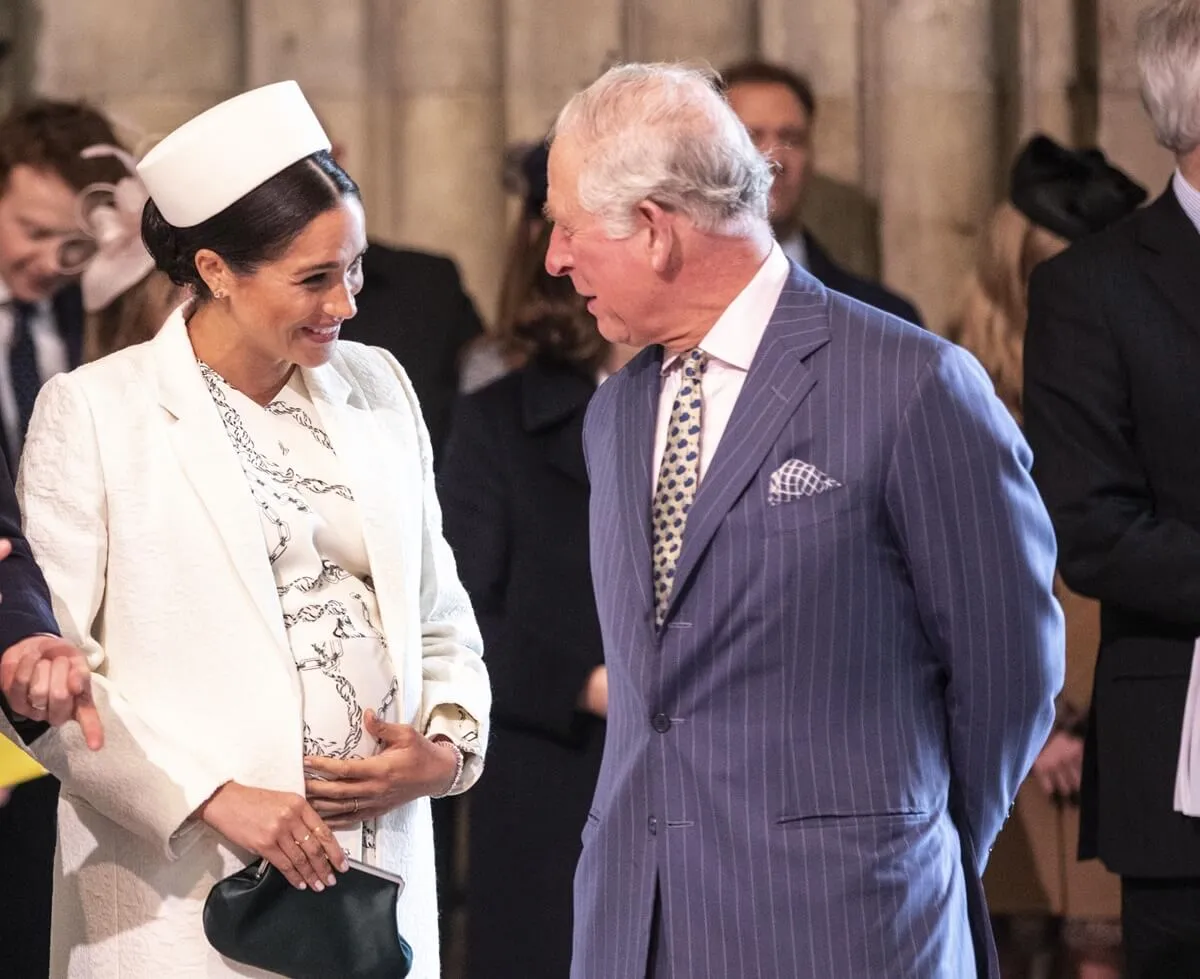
(661, 723)
(652, 825)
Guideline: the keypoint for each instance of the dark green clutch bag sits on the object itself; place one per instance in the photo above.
(257, 918)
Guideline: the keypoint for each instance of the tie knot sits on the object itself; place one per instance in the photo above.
(694, 362)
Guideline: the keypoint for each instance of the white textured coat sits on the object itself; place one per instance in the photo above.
(138, 513)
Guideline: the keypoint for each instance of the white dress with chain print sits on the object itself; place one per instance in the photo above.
(314, 539)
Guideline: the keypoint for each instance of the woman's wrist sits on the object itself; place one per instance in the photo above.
(451, 784)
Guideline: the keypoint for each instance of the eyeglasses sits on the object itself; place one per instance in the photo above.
(783, 139)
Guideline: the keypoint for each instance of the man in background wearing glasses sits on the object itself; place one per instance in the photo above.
(778, 108)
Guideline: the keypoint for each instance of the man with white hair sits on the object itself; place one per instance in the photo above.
(1112, 409)
(823, 576)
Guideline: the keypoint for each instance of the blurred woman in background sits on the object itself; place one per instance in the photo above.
(1046, 902)
(514, 492)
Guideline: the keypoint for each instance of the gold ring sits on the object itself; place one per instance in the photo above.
(307, 837)
(355, 806)
(39, 706)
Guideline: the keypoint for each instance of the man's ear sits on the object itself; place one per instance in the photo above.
(662, 236)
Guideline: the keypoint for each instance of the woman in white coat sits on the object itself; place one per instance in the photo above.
(237, 523)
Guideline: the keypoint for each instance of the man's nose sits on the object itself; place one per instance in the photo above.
(558, 260)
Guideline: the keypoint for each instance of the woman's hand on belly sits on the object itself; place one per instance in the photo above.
(408, 766)
(281, 827)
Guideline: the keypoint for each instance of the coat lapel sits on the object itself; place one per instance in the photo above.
(1172, 253)
(777, 383)
(379, 486)
(554, 400)
(637, 412)
(211, 466)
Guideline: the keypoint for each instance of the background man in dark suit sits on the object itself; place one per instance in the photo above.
(823, 578)
(413, 304)
(779, 109)
(42, 248)
(1112, 409)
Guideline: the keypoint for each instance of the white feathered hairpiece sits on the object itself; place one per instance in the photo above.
(111, 216)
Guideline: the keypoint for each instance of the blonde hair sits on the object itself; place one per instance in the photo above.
(992, 315)
(133, 317)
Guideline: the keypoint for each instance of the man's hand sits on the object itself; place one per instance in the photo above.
(408, 766)
(45, 678)
(1059, 767)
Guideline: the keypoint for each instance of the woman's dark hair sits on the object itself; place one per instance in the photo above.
(254, 229)
(547, 320)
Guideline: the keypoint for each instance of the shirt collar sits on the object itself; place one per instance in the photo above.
(1188, 197)
(735, 336)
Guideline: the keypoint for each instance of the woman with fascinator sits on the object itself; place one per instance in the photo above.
(237, 523)
(125, 298)
(1044, 899)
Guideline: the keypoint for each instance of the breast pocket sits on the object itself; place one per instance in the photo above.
(791, 516)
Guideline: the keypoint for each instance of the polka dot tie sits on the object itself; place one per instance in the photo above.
(678, 478)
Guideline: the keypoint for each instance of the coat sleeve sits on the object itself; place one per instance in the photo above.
(452, 664)
(980, 549)
(24, 599)
(144, 779)
(1114, 545)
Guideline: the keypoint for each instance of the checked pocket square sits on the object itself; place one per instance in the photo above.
(796, 479)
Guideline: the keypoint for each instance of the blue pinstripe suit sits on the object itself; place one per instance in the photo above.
(779, 755)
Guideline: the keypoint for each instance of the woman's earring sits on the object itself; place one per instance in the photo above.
(218, 294)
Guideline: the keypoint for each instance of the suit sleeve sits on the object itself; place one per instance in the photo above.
(1114, 546)
(25, 608)
(452, 666)
(146, 779)
(980, 549)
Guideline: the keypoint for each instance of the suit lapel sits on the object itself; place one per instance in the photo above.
(211, 466)
(637, 413)
(777, 383)
(1172, 254)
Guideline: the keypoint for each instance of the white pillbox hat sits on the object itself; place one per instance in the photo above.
(225, 152)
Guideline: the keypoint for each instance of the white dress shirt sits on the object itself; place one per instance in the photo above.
(795, 249)
(731, 345)
(51, 352)
(1189, 198)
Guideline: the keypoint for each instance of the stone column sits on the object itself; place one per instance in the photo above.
(822, 39)
(1125, 131)
(448, 135)
(1049, 69)
(716, 31)
(323, 46)
(551, 51)
(151, 64)
(937, 160)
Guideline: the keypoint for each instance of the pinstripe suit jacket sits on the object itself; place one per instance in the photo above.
(813, 755)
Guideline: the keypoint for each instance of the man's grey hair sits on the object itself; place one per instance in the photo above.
(663, 133)
(1168, 54)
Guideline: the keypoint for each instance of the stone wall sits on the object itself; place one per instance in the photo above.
(921, 101)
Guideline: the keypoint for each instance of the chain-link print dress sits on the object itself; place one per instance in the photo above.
(314, 539)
